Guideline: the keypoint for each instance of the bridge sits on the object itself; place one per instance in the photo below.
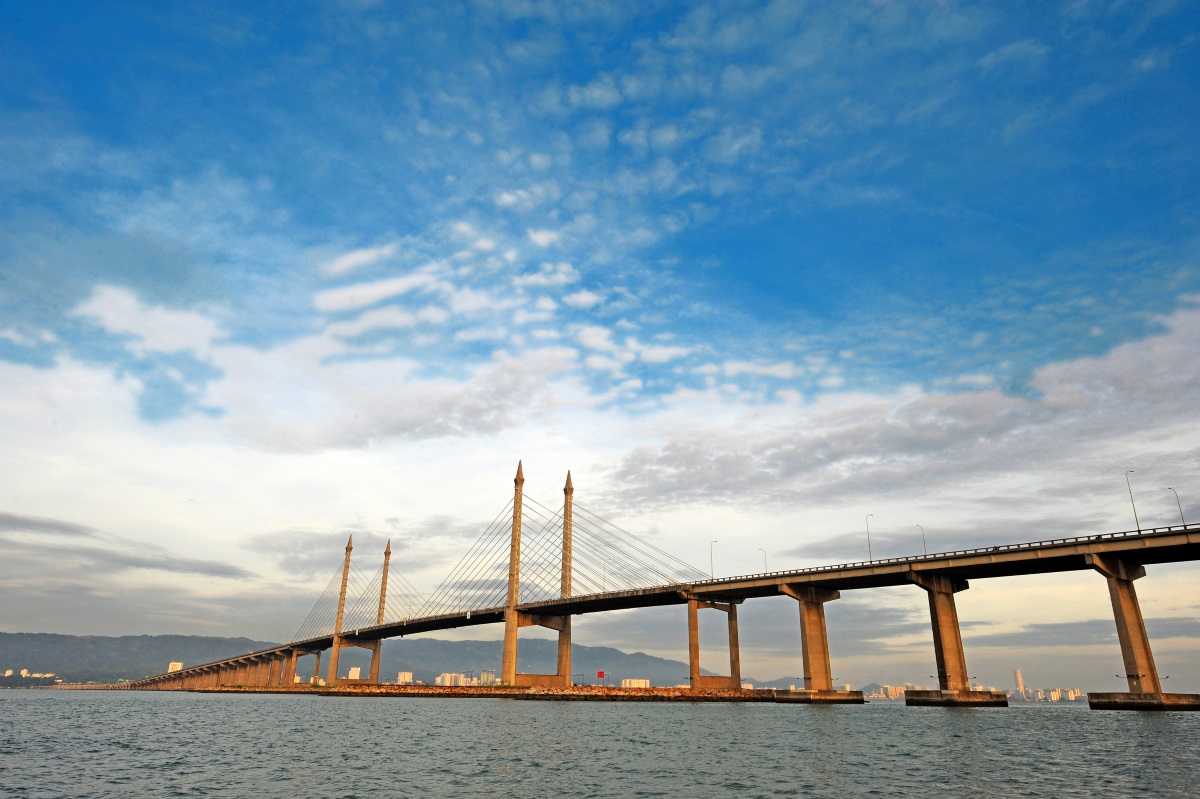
(575, 562)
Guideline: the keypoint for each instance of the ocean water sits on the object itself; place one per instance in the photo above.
(93, 744)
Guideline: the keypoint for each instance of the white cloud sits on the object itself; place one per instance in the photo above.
(30, 339)
(384, 318)
(468, 301)
(1029, 51)
(156, 329)
(597, 338)
(357, 258)
(543, 238)
(549, 274)
(654, 353)
(600, 93)
(784, 370)
(482, 334)
(360, 295)
(583, 299)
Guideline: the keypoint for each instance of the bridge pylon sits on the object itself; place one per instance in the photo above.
(514, 619)
(336, 647)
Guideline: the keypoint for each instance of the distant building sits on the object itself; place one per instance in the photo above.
(404, 678)
(174, 665)
(451, 678)
(24, 672)
(635, 683)
(8, 672)
(747, 686)
(487, 677)
(355, 673)
(1020, 683)
(297, 678)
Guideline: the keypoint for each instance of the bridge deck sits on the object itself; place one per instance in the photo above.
(1143, 547)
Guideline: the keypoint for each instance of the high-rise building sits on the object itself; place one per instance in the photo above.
(1020, 683)
(635, 683)
(404, 678)
(174, 665)
(355, 673)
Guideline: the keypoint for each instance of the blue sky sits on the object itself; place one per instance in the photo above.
(933, 258)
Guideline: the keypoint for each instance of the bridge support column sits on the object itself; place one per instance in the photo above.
(814, 647)
(289, 669)
(336, 646)
(1131, 629)
(1145, 688)
(316, 675)
(734, 681)
(953, 679)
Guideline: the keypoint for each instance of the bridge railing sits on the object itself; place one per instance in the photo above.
(1081, 539)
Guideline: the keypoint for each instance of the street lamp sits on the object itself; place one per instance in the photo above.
(712, 572)
(1135, 518)
(923, 540)
(870, 556)
(760, 549)
(1176, 493)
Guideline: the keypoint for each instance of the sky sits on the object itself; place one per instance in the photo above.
(271, 276)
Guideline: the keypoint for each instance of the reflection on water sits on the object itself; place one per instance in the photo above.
(131, 745)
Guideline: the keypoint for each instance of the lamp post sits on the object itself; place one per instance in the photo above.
(712, 572)
(760, 549)
(870, 555)
(1131, 502)
(1176, 493)
(923, 546)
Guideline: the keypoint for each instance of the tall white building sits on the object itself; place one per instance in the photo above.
(355, 673)
(174, 665)
(404, 678)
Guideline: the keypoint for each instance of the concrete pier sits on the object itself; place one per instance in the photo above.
(829, 697)
(1143, 701)
(1145, 687)
(953, 681)
(960, 698)
(709, 682)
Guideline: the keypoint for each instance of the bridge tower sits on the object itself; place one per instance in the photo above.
(331, 678)
(515, 619)
(508, 663)
(383, 583)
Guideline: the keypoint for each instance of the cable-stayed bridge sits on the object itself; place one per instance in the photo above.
(534, 565)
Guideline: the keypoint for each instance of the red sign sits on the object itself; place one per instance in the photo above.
(599, 675)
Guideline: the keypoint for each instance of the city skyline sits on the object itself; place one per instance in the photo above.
(781, 285)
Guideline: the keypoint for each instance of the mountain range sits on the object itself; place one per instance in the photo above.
(93, 658)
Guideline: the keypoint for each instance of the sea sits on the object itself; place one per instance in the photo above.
(134, 744)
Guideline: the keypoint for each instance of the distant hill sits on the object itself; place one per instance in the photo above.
(96, 658)
(93, 658)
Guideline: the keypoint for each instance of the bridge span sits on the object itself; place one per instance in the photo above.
(1119, 557)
